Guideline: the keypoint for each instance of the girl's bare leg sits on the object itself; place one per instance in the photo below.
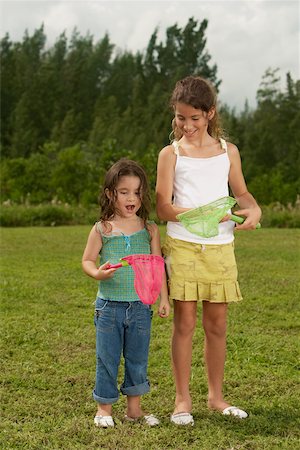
(134, 409)
(104, 410)
(214, 323)
(185, 317)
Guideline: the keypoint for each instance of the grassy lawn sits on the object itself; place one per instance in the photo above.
(48, 354)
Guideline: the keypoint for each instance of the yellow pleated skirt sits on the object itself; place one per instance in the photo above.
(201, 272)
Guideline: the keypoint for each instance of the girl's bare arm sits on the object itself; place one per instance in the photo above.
(90, 257)
(164, 305)
(164, 186)
(245, 200)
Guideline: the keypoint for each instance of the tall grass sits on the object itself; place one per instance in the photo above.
(48, 356)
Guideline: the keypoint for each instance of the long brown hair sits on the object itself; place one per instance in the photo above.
(123, 167)
(199, 93)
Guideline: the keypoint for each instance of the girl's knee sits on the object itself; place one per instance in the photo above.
(185, 317)
(185, 326)
(214, 319)
(216, 327)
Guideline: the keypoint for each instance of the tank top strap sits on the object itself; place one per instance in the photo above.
(99, 228)
(223, 144)
(176, 147)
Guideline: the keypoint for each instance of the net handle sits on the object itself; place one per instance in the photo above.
(123, 263)
(240, 220)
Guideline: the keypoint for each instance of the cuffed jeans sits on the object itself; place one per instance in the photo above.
(121, 327)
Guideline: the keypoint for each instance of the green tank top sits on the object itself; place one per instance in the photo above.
(120, 287)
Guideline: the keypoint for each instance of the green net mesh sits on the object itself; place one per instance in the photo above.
(204, 220)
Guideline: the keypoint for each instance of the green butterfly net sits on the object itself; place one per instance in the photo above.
(204, 220)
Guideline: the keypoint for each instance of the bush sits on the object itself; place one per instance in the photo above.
(46, 215)
(273, 187)
(277, 215)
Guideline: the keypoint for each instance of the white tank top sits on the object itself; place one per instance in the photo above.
(198, 181)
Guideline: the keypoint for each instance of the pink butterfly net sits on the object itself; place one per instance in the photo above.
(148, 276)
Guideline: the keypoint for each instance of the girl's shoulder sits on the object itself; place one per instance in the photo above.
(230, 146)
(167, 157)
(152, 228)
(103, 228)
(151, 224)
(232, 150)
(168, 150)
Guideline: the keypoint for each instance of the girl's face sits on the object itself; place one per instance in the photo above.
(190, 120)
(128, 196)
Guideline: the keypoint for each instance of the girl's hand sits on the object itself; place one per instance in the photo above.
(252, 216)
(164, 309)
(225, 218)
(103, 273)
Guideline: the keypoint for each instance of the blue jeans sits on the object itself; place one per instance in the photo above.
(121, 327)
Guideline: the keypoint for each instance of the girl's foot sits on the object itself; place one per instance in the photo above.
(149, 420)
(104, 421)
(227, 410)
(182, 406)
(134, 413)
(183, 418)
(218, 405)
(235, 411)
(103, 416)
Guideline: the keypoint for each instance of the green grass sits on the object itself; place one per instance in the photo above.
(48, 362)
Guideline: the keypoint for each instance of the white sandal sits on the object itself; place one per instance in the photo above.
(104, 421)
(234, 411)
(183, 418)
(149, 420)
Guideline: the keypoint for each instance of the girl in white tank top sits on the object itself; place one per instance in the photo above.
(195, 170)
(198, 181)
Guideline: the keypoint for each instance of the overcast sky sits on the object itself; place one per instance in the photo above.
(244, 37)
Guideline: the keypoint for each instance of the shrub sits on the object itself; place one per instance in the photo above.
(277, 215)
(46, 215)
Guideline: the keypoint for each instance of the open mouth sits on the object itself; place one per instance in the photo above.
(130, 208)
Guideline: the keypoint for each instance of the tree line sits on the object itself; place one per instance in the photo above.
(69, 111)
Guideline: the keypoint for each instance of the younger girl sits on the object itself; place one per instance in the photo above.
(193, 171)
(122, 321)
